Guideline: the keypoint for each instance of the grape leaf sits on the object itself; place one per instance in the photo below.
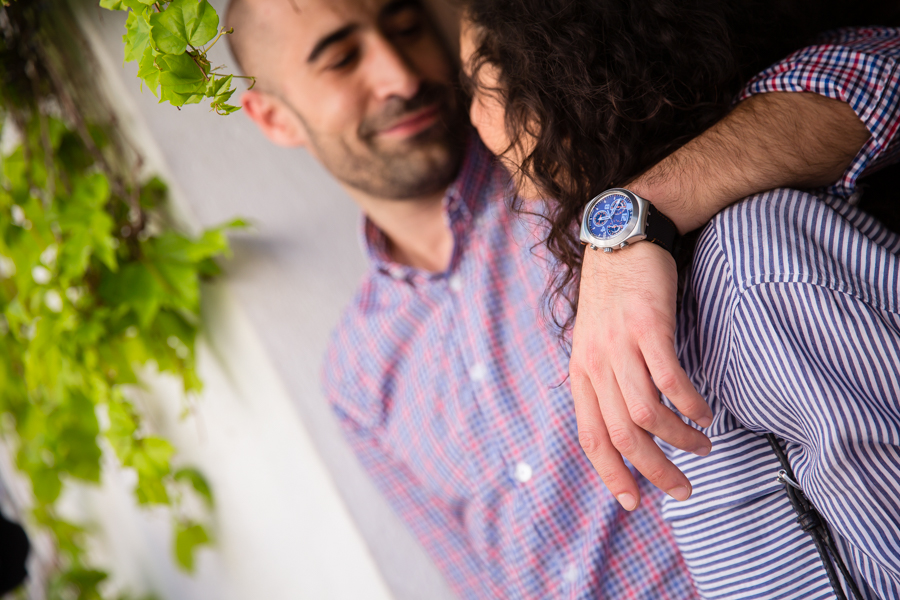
(148, 71)
(112, 4)
(137, 36)
(197, 481)
(138, 6)
(187, 539)
(181, 79)
(183, 23)
(135, 287)
(151, 490)
(46, 485)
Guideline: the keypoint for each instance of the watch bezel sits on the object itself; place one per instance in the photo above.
(629, 233)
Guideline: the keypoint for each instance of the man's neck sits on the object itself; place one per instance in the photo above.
(417, 231)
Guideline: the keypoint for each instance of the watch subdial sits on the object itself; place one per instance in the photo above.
(600, 217)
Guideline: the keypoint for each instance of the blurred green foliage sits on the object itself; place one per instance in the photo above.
(88, 294)
(96, 285)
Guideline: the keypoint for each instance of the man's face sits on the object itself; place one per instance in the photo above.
(366, 85)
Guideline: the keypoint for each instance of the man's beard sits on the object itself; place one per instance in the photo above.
(420, 165)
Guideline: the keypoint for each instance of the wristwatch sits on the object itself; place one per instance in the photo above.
(619, 217)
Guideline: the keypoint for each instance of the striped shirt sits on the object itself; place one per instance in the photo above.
(791, 325)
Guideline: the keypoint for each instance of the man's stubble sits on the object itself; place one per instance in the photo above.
(419, 166)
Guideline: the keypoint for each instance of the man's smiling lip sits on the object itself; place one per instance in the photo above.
(410, 126)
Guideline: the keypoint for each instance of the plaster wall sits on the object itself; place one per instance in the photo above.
(296, 516)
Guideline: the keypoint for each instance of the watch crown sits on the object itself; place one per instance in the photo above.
(607, 250)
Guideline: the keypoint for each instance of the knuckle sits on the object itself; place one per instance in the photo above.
(591, 442)
(656, 475)
(693, 409)
(667, 382)
(594, 361)
(611, 477)
(644, 416)
(623, 439)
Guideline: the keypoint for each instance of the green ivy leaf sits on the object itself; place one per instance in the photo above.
(46, 485)
(78, 583)
(139, 6)
(137, 36)
(112, 5)
(135, 287)
(77, 451)
(122, 429)
(181, 79)
(197, 481)
(148, 70)
(183, 23)
(151, 490)
(187, 539)
(151, 456)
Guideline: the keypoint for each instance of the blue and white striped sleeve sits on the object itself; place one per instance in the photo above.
(812, 355)
(859, 66)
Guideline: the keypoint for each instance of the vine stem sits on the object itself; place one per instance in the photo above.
(197, 62)
(246, 77)
(221, 33)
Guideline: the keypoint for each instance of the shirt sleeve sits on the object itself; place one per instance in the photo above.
(859, 66)
(436, 525)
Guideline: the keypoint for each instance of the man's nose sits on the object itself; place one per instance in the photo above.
(391, 73)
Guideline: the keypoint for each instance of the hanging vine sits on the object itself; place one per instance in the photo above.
(95, 283)
(170, 41)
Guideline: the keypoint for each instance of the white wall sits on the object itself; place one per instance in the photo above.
(296, 516)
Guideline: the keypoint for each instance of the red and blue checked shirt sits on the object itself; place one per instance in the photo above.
(452, 390)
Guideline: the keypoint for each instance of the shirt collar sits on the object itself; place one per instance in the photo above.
(462, 201)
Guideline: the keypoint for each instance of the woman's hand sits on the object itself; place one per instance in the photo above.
(623, 355)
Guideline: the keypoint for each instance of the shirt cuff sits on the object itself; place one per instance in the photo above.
(859, 66)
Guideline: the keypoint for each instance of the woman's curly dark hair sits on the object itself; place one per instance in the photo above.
(608, 88)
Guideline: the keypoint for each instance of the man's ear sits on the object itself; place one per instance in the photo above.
(277, 121)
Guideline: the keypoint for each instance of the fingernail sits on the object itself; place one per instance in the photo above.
(702, 450)
(680, 493)
(705, 421)
(627, 501)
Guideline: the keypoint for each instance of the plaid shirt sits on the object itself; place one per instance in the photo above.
(453, 391)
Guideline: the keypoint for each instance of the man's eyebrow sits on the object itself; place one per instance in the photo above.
(331, 38)
(392, 8)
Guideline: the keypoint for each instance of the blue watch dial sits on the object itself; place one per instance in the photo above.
(610, 215)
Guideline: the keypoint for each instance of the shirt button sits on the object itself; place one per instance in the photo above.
(396, 272)
(570, 575)
(456, 283)
(478, 372)
(523, 472)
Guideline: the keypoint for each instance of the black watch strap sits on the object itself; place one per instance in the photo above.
(660, 229)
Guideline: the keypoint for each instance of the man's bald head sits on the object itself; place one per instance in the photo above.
(243, 17)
